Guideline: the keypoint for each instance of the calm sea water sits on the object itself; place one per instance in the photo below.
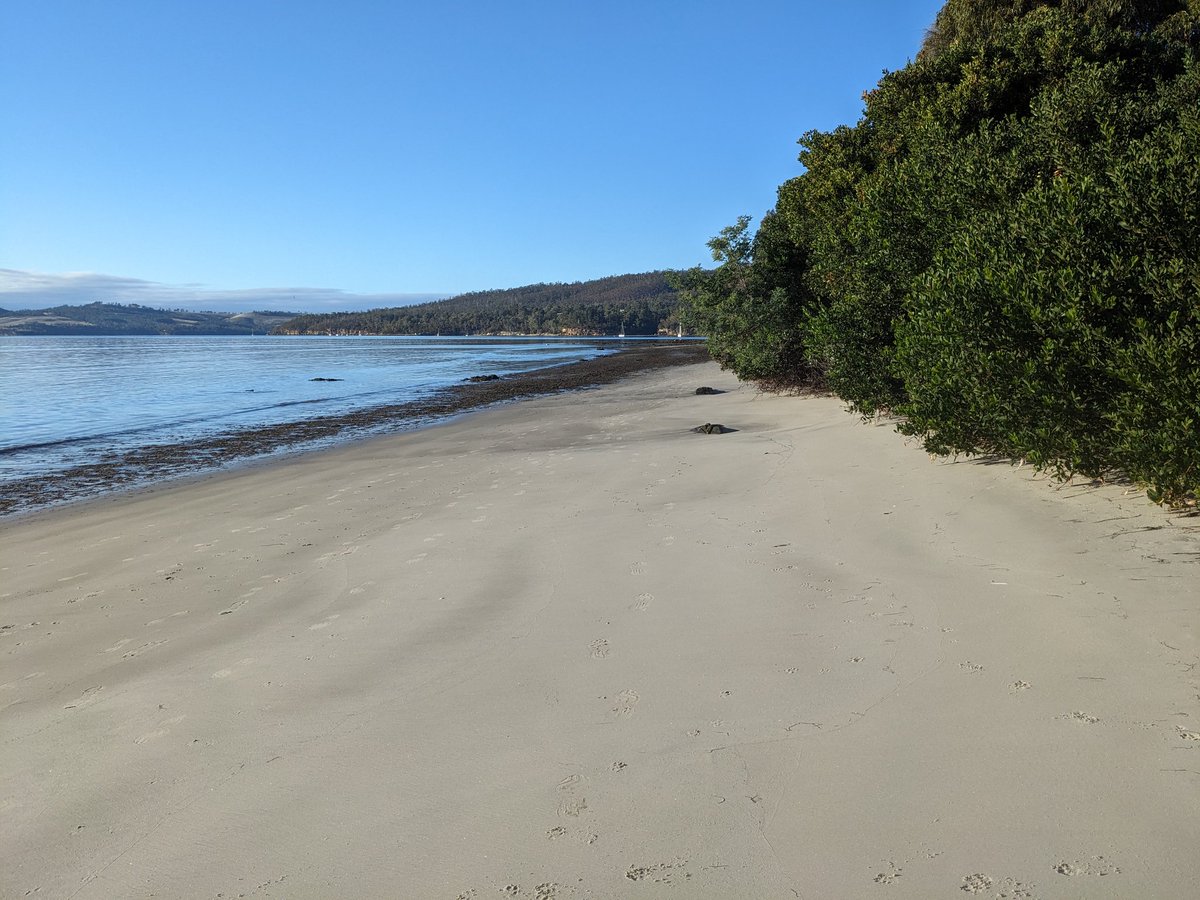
(71, 400)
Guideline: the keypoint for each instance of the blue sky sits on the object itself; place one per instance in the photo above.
(229, 153)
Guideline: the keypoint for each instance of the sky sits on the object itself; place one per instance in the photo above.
(320, 155)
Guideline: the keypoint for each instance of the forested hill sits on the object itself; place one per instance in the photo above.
(132, 319)
(644, 304)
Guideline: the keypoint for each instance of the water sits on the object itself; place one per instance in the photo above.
(67, 401)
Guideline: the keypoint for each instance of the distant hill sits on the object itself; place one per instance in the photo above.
(641, 304)
(132, 319)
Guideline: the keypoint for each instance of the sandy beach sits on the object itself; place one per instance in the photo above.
(568, 648)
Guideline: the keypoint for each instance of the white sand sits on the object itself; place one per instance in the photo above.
(567, 648)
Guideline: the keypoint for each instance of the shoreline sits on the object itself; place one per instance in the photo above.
(144, 466)
(569, 648)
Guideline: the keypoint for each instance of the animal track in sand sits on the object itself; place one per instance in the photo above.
(1017, 686)
(626, 701)
(1187, 735)
(599, 648)
(569, 782)
(1082, 718)
(971, 667)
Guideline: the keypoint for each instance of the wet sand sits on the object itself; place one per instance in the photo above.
(159, 462)
(568, 647)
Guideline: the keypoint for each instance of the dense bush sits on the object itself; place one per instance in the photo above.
(1005, 249)
(750, 306)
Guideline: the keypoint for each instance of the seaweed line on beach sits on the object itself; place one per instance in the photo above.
(156, 462)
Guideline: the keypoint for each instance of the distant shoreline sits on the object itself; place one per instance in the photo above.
(142, 466)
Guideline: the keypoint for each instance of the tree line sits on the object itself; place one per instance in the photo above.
(1004, 251)
(643, 304)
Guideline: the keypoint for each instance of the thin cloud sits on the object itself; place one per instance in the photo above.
(39, 290)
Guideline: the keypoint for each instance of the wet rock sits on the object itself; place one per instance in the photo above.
(710, 428)
(325, 379)
(708, 390)
(484, 378)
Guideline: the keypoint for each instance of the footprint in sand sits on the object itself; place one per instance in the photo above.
(88, 697)
(569, 782)
(599, 648)
(660, 873)
(138, 651)
(642, 602)
(626, 701)
(976, 883)
(637, 568)
(574, 807)
(889, 877)
(164, 728)
(1096, 865)
(225, 673)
